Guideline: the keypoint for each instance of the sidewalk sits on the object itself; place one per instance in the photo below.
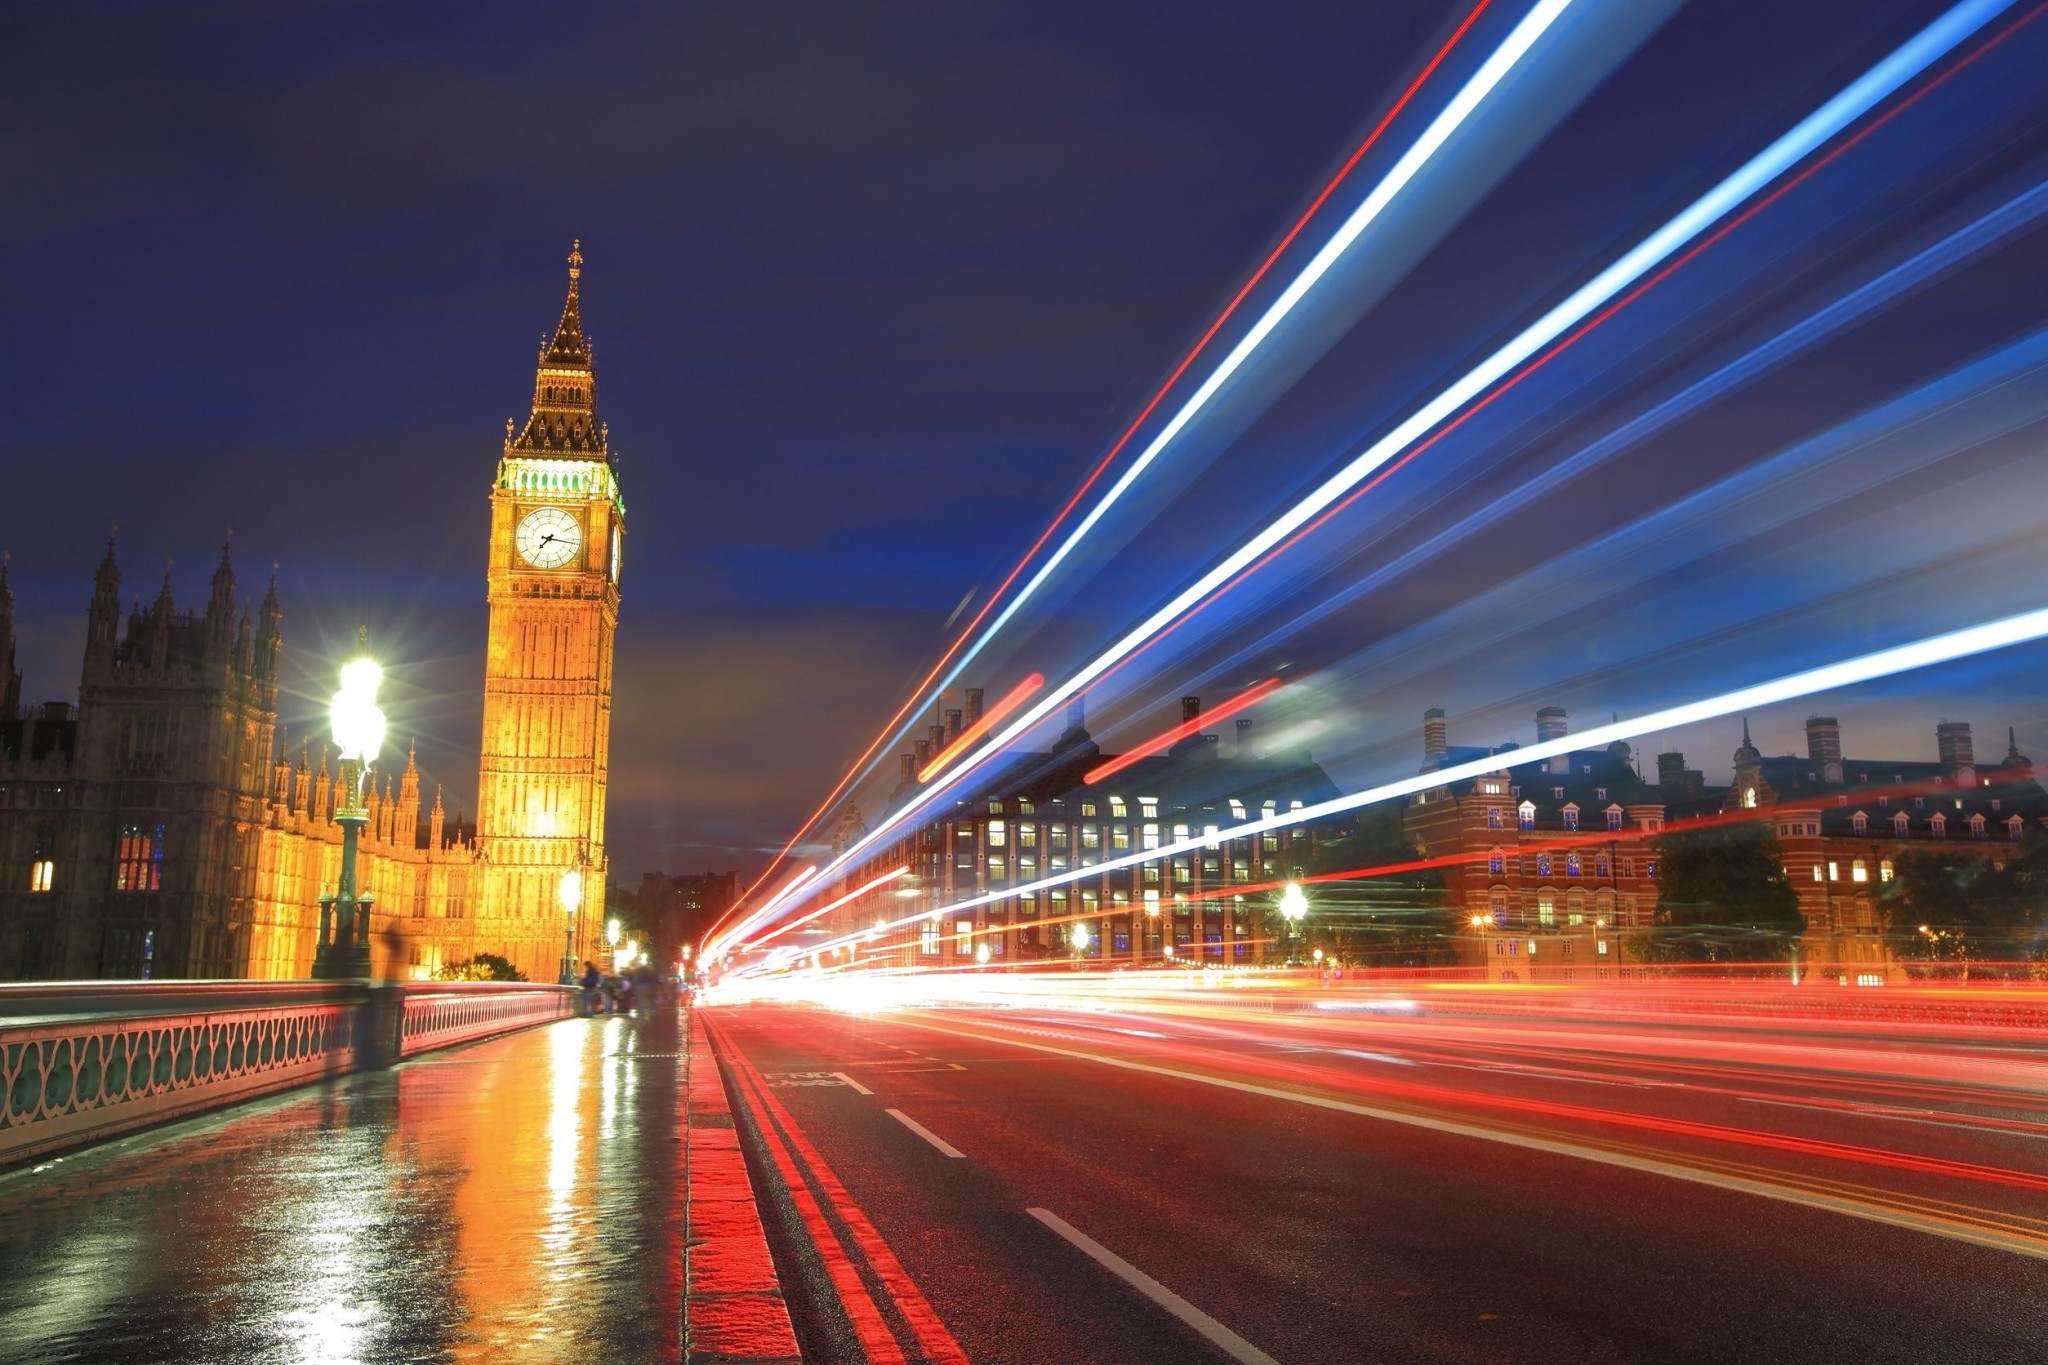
(521, 1199)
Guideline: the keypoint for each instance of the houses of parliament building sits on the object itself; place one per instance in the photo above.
(158, 828)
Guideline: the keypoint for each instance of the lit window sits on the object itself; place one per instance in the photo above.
(1528, 813)
(1859, 871)
(1571, 817)
(963, 938)
(1571, 864)
(1600, 866)
(41, 873)
(1816, 872)
(1059, 836)
(1270, 841)
(1884, 869)
(1749, 798)
(139, 860)
(1025, 807)
(1116, 807)
(1119, 836)
(1543, 864)
(998, 868)
(1493, 817)
(1614, 817)
(1546, 912)
(1152, 903)
(1496, 863)
(928, 938)
(1236, 810)
(1148, 806)
(1834, 870)
(995, 806)
(1091, 836)
(997, 834)
(1027, 836)
(1150, 835)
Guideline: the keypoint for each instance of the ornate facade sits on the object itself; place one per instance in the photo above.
(160, 827)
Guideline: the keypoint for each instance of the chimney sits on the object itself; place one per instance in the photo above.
(1671, 772)
(906, 768)
(953, 726)
(936, 736)
(1436, 735)
(920, 755)
(1550, 724)
(1244, 734)
(1952, 738)
(973, 699)
(1824, 746)
(1190, 708)
(1076, 715)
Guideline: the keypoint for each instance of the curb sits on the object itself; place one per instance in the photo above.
(733, 1307)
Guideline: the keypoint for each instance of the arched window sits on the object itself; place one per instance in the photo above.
(1543, 864)
(1496, 863)
(1860, 822)
(1528, 813)
(1493, 817)
(1571, 865)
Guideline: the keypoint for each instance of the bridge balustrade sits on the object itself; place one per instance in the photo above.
(84, 1061)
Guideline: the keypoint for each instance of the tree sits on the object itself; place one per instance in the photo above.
(1956, 903)
(1723, 896)
(1398, 919)
(482, 967)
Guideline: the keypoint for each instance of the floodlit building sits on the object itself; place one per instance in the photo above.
(159, 828)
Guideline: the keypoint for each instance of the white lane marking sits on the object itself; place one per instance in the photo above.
(1997, 1239)
(927, 1134)
(1233, 1345)
(1933, 1119)
(852, 1082)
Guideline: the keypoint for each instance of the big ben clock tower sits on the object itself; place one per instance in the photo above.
(557, 533)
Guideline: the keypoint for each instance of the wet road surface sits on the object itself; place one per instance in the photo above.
(1448, 1192)
(518, 1200)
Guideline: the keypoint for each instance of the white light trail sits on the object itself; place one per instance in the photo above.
(1858, 98)
(1960, 644)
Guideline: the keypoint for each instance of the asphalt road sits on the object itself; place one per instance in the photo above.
(1392, 1188)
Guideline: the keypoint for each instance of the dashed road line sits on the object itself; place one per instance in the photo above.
(927, 1134)
(1233, 1345)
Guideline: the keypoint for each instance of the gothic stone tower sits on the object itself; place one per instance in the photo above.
(557, 531)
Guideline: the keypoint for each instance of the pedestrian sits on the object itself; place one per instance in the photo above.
(590, 980)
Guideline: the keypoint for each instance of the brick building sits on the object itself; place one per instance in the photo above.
(1044, 817)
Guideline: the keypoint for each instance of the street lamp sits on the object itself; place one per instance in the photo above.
(1294, 909)
(569, 892)
(344, 947)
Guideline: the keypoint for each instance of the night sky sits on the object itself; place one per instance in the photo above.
(870, 289)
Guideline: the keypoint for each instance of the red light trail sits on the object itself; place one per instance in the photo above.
(1013, 699)
(1159, 743)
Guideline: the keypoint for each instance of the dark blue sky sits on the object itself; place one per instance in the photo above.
(870, 288)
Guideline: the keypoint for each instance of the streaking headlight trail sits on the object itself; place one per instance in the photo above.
(1884, 79)
(1948, 648)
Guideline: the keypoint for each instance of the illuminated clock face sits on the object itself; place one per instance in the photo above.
(618, 544)
(549, 538)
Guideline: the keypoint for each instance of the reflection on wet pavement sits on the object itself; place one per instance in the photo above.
(515, 1200)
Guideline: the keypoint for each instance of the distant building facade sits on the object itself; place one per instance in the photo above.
(159, 827)
(1044, 817)
(1554, 862)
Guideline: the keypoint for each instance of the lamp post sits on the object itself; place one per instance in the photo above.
(570, 893)
(344, 947)
(1294, 909)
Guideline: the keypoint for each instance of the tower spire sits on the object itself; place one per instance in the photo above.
(564, 422)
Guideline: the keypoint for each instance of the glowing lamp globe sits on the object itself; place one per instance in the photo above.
(1293, 904)
(570, 892)
(354, 714)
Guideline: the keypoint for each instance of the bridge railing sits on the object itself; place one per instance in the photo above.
(85, 1061)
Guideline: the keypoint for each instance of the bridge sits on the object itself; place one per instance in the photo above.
(1297, 1168)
